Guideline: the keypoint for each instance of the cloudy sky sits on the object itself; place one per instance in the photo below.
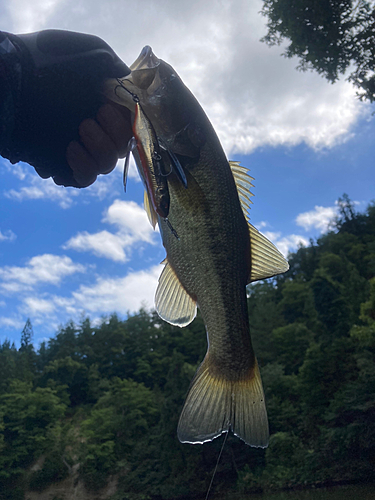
(66, 253)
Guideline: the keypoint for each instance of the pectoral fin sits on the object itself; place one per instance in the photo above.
(172, 302)
(266, 260)
(151, 214)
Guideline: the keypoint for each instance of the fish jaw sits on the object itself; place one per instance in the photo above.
(146, 60)
(144, 68)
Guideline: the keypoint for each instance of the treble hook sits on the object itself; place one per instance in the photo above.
(120, 84)
(173, 231)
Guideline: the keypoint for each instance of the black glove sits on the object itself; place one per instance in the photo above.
(56, 79)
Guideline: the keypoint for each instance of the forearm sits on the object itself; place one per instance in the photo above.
(10, 89)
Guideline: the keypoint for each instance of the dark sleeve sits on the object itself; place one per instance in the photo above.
(10, 87)
(51, 82)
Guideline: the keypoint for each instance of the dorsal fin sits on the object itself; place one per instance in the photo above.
(243, 184)
(266, 260)
(172, 302)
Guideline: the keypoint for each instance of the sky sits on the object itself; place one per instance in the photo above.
(66, 253)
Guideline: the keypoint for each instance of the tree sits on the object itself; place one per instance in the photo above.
(27, 418)
(27, 356)
(329, 37)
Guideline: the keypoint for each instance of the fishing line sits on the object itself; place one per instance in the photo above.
(217, 463)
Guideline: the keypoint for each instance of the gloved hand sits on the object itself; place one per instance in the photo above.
(63, 125)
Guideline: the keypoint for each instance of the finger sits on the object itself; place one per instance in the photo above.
(82, 163)
(99, 145)
(116, 123)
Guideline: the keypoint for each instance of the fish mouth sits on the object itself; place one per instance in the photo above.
(146, 60)
(144, 68)
(129, 89)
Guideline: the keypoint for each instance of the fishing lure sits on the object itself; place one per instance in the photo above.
(146, 150)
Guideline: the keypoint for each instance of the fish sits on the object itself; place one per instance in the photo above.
(216, 255)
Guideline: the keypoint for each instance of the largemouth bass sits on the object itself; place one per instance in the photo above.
(217, 253)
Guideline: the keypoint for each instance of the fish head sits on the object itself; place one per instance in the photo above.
(176, 115)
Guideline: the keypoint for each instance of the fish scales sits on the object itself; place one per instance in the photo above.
(217, 253)
(210, 256)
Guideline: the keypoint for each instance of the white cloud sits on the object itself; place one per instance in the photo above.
(46, 269)
(39, 306)
(130, 218)
(287, 243)
(254, 96)
(126, 294)
(106, 295)
(102, 244)
(7, 236)
(18, 169)
(12, 322)
(260, 225)
(34, 187)
(37, 188)
(319, 218)
(132, 228)
(27, 17)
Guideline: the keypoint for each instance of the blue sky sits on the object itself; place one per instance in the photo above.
(65, 252)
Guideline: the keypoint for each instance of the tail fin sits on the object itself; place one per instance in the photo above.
(215, 405)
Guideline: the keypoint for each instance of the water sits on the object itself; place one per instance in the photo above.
(348, 492)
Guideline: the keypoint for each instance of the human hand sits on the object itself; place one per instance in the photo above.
(102, 142)
(64, 126)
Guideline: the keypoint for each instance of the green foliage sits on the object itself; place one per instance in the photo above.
(27, 417)
(53, 470)
(103, 403)
(291, 342)
(125, 412)
(329, 37)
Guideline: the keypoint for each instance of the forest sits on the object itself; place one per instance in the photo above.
(102, 402)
